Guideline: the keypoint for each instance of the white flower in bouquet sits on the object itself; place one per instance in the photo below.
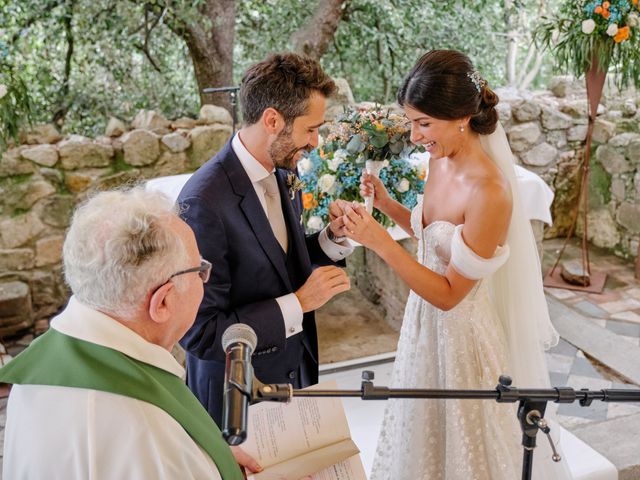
(339, 157)
(326, 182)
(320, 141)
(633, 20)
(315, 223)
(588, 26)
(612, 30)
(334, 164)
(3, 90)
(403, 185)
(341, 154)
(305, 165)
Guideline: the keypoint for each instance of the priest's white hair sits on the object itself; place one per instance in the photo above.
(120, 247)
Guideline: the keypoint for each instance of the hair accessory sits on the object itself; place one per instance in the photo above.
(477, 80)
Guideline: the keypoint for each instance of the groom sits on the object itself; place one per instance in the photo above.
(245, 208)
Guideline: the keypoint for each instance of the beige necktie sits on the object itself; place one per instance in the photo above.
(274, 210)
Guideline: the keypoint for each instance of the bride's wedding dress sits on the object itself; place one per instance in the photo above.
(501, 327)
(464, 348)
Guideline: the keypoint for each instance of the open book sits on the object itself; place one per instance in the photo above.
(309, 436)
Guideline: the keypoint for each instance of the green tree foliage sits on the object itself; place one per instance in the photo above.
(378, 41)
(85, 60)
(107, 74)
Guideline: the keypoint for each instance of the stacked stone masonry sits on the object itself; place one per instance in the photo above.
(547, 130)
(47, 175)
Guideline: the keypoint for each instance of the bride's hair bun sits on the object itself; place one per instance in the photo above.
(484, 122)
(443, 84)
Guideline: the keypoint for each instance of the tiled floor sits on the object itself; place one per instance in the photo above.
(365, 418)
(617, 309)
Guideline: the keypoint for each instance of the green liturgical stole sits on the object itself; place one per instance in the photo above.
(60, 360)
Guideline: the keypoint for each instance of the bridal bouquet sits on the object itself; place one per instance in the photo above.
(333, 169)
(586, 31)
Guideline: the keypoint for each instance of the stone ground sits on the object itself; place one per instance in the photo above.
(599, 347)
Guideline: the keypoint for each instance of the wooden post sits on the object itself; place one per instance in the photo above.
(638, 263)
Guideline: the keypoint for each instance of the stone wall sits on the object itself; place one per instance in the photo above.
(44, 178)
(547, 130)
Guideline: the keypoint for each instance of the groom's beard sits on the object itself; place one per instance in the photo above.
(283, 151)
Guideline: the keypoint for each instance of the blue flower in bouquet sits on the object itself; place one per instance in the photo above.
(333, 170)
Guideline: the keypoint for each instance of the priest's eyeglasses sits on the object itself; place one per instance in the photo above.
(204, 270)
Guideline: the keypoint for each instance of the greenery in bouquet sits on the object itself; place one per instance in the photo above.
(333, 170)
(581, 29)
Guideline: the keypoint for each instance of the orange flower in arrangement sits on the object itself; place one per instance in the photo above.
(606, 5)
(622, 35)
(598, 9)
(307, 200)
(606, 14)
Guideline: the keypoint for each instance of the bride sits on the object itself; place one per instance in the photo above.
(476, 308)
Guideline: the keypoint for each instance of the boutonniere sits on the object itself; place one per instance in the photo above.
(294, 184)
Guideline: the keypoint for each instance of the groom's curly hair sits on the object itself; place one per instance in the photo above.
(441, 86)
(283, 81)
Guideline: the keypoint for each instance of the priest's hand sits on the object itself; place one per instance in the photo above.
(245, 460)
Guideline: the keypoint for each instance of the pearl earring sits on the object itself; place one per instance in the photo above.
(461, 128)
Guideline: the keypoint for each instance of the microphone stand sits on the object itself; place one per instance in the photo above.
(531, 407)
(233, 94)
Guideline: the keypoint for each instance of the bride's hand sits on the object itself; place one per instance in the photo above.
(372, 185)
(363, 228)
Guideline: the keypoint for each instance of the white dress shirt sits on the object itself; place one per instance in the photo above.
(289, 304)
(65, 433)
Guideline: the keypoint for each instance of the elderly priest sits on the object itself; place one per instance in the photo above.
(100, 395)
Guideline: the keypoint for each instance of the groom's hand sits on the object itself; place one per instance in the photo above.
(321, 286)
(336, 215)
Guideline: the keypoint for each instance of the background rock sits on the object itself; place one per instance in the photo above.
(45, 155)
(140, 147)
(213, 114)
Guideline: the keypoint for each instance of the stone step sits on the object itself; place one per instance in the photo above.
(605, 346)
(618, 440)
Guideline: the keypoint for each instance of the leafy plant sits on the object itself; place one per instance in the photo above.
(584, 28)
(15, 105)
(333, 170)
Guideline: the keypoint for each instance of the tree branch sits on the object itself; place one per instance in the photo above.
(315, 35)
(63, 103)
(144, 48)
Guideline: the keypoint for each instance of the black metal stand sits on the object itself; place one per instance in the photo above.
(531, 408)
(233, 100)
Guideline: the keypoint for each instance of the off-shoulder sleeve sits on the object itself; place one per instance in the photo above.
(469, 264)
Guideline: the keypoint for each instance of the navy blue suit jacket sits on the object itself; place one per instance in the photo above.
(250, 270)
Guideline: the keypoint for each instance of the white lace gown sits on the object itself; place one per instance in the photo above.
(464, 348)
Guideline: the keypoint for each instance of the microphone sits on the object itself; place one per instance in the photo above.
(238, 341)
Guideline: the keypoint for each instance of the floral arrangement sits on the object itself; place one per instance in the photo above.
(333, 170)
(584, 31)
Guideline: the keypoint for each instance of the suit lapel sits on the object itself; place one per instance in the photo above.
(292, 218)
(255, 215)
